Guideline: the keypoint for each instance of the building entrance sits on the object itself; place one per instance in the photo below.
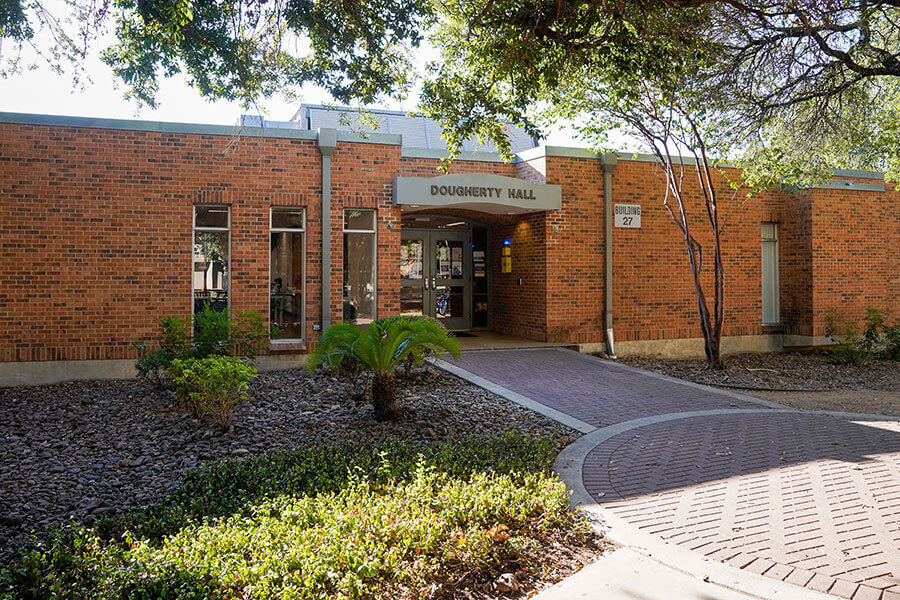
(443, 272)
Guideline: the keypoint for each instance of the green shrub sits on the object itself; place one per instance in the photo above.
(877, 340)
(152, 365)
(397, 520)
(892, 341)
(214, 334)
(872, 342)
(380, 350)
(212, 385)
(217, 334)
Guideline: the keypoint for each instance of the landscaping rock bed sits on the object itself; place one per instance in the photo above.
(84, 449)
(795, 371)
(807, 380)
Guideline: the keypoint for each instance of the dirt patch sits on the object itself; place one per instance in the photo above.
(871, 402)
(806, 380)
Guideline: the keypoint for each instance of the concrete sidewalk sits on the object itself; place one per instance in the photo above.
(625, 574)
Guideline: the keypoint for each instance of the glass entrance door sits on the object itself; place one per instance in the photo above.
(435, 277)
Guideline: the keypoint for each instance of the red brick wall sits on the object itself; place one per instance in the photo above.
(95, 240)
(856, 254)
(653, 291)
(96, 237)
(826, 239)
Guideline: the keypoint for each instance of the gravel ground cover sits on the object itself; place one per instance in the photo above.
(807, 380)
(85, 449)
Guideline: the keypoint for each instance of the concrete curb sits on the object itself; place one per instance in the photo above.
(515, 397)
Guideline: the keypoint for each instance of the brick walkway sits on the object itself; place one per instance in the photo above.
(806, 498)
(585, 388)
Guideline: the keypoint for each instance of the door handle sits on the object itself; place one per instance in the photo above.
(426, 283)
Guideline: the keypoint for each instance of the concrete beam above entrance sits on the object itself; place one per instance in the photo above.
(482, 192)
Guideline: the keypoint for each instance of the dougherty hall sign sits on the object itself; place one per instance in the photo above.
(477, 191)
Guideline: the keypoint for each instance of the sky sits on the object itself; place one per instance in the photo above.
(43, 91)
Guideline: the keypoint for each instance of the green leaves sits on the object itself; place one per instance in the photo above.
(211, 386)
(320, 523)
(382, 347)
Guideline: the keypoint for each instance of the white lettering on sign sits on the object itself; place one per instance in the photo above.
(627, 215)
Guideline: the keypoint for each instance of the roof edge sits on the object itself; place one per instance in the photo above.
(153, 126)
(375, 138)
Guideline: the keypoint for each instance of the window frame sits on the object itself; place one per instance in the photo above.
(194, 229)
(775, 241)
(303, 303)
(374, 232)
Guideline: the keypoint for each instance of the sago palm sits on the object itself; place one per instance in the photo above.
(380, 349)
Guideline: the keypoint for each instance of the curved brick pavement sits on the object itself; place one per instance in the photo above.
(807, 498)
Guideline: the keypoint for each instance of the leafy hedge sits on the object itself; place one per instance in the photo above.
(395, 520)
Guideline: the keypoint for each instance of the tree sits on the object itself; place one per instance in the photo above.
(241, 50)
(813, 82)
(604, 70)
(668, 129)
(380, 350)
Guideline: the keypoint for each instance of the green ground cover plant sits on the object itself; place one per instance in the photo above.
(393, 521)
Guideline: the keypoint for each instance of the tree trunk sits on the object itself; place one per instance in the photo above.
(384, 398)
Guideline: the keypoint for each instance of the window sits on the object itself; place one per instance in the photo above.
(287, 272)
(770, 293)
(211, 257)
(359, 265)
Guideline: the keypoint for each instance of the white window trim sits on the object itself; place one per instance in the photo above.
(374, 232)
(194, 230)
(272, 210)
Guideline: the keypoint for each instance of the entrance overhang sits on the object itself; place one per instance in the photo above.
(482, 192)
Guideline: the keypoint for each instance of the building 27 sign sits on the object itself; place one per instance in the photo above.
(628, 215)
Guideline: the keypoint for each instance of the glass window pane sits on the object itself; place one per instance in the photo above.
(358, 218)
(411, 259)
(211, 216)
(210, 270)
(286, 260)
(448, 301)
(287, 218)
(411, 300)
(359, 277)
(448, 256)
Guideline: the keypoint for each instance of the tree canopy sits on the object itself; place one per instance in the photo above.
(241, 50)
(796, 87)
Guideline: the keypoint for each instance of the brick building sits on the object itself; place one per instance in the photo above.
(105, 225)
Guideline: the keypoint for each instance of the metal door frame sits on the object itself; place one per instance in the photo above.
(430, 281)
